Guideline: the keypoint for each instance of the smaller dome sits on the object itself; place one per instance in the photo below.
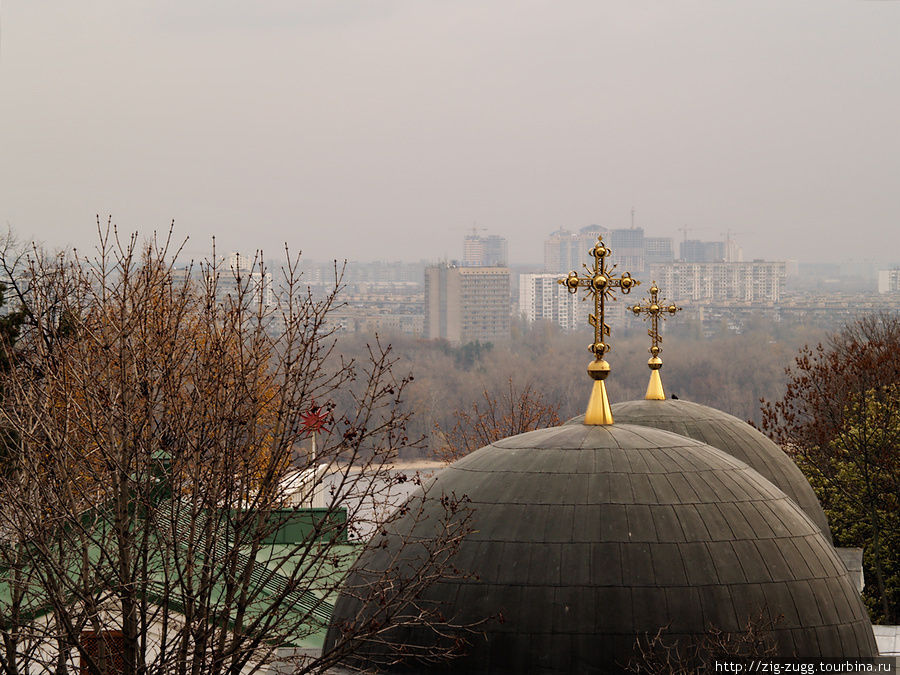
(728, 434)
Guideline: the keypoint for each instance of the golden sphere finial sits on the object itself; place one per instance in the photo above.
(598, 369)
(599, 251)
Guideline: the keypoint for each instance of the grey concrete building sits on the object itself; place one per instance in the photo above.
(465, 304)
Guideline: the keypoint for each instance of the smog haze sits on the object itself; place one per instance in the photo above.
(386, 130)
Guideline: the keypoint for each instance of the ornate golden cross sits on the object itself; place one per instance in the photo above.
(599, 282)
(655, 309)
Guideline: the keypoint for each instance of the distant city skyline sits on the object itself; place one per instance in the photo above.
(386, 131)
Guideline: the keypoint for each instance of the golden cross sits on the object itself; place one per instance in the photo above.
(655, 309)
(599, 282)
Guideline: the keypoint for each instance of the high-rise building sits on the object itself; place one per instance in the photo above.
(496, 251)
(658, 250)
(238, 279)
(562, 252)
(465, 304)
(696, 251)
(253, 287)
(565, 250)
(757, 281)
(490, 251)
(627, 246)
(238, 262)
(889, 281)
(733, 252)
(542, 297)
(473, 251)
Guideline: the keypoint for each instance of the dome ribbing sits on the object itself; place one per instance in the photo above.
(589, 538)
(731, 435)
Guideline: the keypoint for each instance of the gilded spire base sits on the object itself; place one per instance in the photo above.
(655, 388)
(598, 410)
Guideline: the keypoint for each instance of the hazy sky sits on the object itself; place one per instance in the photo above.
(382, 129)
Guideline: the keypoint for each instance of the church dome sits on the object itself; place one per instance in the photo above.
(588, 539)
(731, 435)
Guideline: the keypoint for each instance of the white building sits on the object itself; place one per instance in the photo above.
(565, 250)
(757, 281)
(542, 297)
(253, 287)
(238, 262)
(246, 273)
(491, 251)
(889, 281)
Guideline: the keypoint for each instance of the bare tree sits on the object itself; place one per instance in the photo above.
(661, 654)
(156, 508)
(512, 412)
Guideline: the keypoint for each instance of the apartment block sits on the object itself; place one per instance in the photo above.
(465, 304)
(491, 251)
(694, 251)
(565, 250)
(658, 250)
(253, 287)
(889, 281)
(755, 282)
(542, 297)
(627, 246)
(238, 262)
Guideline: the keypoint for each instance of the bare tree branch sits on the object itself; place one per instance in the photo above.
(157, 506)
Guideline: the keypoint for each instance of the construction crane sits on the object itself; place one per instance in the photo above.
(729, 234)
(732, 252)
(687, 229)
(474, 230)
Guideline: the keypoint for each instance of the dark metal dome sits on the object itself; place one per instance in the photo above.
(589, 538)
(731, 435)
